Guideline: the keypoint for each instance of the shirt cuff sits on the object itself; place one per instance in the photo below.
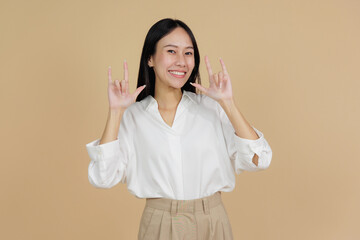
(103, 151)
(250, 146)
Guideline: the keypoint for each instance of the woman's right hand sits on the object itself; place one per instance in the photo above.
(118, 92)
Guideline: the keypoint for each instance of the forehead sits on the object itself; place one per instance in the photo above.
(178, 37)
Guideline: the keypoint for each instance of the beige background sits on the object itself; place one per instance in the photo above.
(295, 72)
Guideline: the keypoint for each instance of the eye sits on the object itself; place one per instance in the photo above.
(190, 53)
(171, 51)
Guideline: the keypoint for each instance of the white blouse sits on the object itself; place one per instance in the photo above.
(196, 157)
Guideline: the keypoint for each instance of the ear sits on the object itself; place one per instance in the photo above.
(150, 62)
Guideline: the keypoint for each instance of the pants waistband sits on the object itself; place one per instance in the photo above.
(191, 206)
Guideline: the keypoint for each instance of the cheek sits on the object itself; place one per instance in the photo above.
(191, 63)
(164, 60)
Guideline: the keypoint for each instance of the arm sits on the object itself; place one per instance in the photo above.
(247, 152)
(241, 126)
(109, 155)
(246, 146)
(112, 126)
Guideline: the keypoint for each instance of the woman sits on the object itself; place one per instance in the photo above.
(177, 149)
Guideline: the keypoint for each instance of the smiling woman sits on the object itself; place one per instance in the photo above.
(173, 147)
(169, 45)
(173, 59)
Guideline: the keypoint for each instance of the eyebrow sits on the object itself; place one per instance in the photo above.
(171, 45)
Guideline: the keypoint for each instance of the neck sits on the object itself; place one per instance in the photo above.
(168, 99)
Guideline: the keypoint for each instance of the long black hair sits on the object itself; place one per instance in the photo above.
(146, 73)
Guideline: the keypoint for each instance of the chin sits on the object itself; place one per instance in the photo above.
(178, 84)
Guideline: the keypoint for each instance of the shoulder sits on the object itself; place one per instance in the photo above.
(205, 105)
(132, 113)
(133, 109)
(202, 99)
(207, 102)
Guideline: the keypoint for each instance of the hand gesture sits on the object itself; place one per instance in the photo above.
(220, 84)
(119, 96)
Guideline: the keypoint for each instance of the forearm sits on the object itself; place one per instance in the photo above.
(112, 126)
(242, 128)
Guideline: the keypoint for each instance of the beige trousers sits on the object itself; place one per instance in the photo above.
(197, 219)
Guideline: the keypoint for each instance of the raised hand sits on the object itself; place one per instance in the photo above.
(220, 84)
(118, 93)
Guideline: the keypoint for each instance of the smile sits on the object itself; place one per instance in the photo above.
(177, 74)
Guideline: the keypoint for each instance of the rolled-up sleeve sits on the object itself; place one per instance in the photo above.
(241, 151)
(245, 149)
(109, 160)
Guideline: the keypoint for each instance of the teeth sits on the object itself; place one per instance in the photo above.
(177, 73)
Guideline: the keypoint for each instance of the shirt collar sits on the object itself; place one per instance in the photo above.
(150, 101)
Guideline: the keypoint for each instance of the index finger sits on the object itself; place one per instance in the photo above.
(109, 75)
(223, 66)
(126, 72)
(207, 62)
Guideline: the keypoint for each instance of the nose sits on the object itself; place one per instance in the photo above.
(180, 61)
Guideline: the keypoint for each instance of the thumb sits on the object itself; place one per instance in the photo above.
(138, 90)
(201, 88)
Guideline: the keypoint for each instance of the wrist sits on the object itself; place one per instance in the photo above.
(116, 112)
(227, 103)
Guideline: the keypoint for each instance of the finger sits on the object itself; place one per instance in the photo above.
(138, 90)
(109, 75)
(216, 79)
(122, 86)
(201, 88)
(117, 85)
(126, 72)
(221, 79)
(223, 66)
(126, 87)
(208, 66)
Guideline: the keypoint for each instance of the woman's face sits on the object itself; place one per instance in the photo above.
(173, 60)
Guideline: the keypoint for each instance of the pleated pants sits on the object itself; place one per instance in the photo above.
(197, 219)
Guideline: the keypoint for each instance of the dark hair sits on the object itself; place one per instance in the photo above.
(146, 73)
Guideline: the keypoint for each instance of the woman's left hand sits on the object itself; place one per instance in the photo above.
(220, 84)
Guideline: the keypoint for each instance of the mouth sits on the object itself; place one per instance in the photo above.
(177, 74)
